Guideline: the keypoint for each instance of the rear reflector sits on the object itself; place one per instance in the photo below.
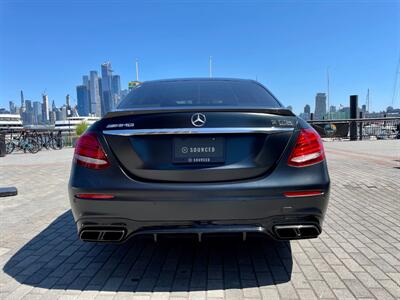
(89, 153)
(308, 149)
(303, 194)
(94, 196)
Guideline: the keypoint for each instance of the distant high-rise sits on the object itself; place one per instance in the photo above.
(68, 105)
(22, 102)
(52, 116)
(45, 109)
(320, 106)
(106, 80)
(82, 94)
(363, 109)
(61, 114)
(85, 80)
(37, 112)
(95, 105)
(116, 84)
(12, 107)
(27, 115)
(305, 115)
(116, 90)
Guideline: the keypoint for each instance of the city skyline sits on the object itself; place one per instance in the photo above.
(107, 96)
(104, 95)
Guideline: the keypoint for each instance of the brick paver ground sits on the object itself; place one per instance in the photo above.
(357, 255)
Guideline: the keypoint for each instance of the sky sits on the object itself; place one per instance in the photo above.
(289, 46)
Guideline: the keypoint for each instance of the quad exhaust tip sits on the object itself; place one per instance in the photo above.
(288, 232)
(102, 235)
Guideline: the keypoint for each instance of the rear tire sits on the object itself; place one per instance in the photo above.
(10, 147)
(57, 144)
(33, 146)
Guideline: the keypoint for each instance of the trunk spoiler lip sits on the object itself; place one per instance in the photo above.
(159, 110)
(196, 131)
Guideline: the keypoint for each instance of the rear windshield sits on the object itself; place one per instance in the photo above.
(199, 93)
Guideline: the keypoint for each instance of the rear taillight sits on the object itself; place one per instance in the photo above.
(308, 149)
(89, 153)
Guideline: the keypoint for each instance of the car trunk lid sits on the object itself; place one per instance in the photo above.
(227, 145)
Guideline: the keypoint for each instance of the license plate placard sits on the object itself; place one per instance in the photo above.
(197, 150)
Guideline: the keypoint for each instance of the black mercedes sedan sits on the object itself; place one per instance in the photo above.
(199, 156)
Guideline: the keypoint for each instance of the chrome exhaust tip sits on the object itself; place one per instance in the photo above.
(289, 232)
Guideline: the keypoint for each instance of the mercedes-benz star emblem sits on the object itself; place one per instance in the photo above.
(198, 119)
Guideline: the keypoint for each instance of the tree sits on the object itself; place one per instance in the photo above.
(81, 128)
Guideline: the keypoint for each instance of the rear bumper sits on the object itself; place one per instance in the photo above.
(254, 205)
(215, 213)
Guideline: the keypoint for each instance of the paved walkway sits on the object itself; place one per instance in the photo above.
(357, 255)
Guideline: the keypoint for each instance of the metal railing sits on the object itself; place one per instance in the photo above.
(35, 140)
(366, 128)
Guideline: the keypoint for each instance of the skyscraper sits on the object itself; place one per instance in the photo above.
(106, 79)
(68, 105)
(85, 80)
(116, 89)
(12, 107)
(27, 115)
(95, 105)
(37, 112)
(22, 102)
(116, 84)
(305, 115)
(45, 109)
(82, 94)
(320, 106)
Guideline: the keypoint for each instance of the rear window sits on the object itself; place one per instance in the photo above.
(199, 93)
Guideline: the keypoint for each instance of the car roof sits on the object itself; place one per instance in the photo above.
(199, 79)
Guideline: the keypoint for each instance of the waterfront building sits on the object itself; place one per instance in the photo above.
(320, 106)
(10, 121)
(68, 125)
(95, 105)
